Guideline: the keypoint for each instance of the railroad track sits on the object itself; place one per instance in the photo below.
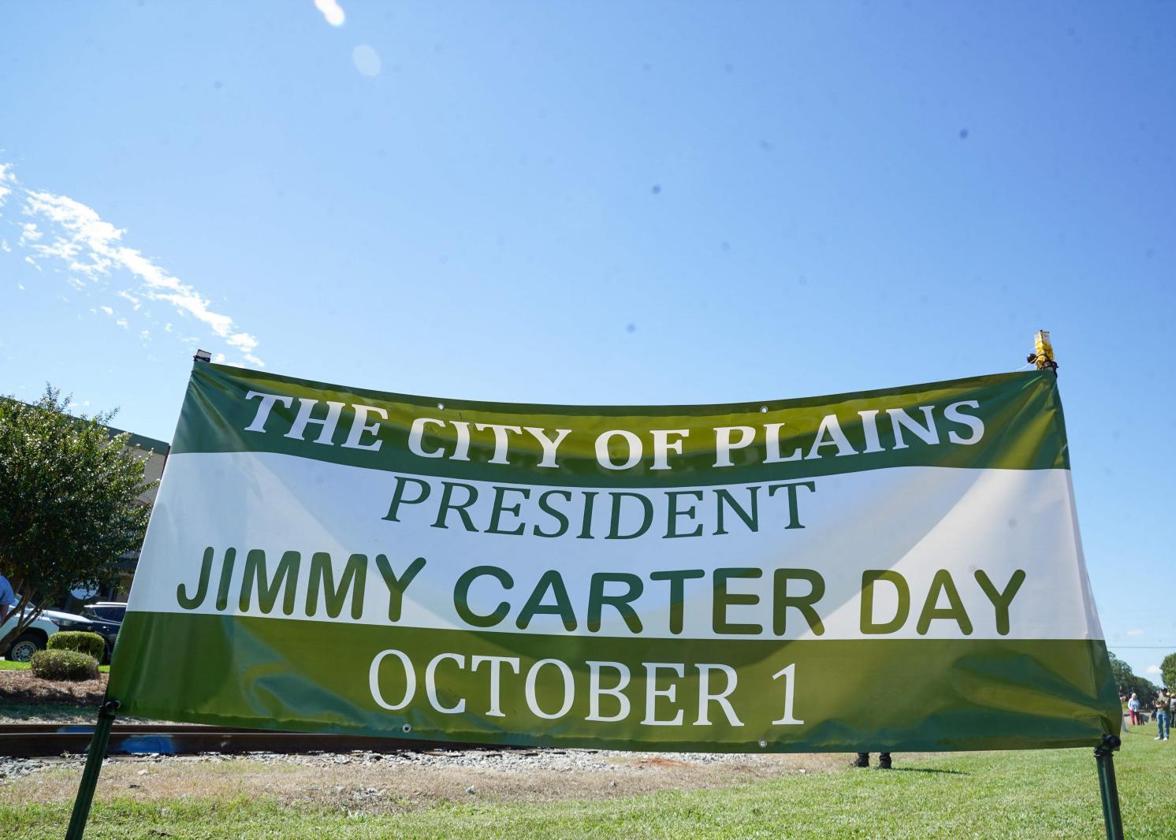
(30, 740)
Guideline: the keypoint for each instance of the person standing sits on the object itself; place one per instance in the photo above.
(1161, 707)
(7, 598)
(1133, 708)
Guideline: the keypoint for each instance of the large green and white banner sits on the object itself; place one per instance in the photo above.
(887, 570)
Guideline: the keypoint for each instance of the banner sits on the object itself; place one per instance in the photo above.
(886, 570)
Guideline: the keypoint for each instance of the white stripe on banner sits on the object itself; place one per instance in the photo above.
(943, 531)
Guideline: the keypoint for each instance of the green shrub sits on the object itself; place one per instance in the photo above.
(64, 665)
(88, 643)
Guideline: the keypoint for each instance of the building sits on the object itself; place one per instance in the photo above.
(155, 452)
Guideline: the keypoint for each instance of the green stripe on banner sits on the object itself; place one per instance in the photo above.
(1006, 421)
(883, 694)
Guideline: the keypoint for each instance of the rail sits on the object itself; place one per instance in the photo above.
(37, 740)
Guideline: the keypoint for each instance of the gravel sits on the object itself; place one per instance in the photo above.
(506, 761)
(14, 768)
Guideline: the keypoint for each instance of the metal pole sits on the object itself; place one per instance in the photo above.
(94, 756)
(1104, 755)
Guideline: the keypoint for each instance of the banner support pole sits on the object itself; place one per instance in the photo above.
(96, 752)
(94, 756)
(1104, 756)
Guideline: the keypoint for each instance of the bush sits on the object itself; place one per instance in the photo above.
(88, 643)
(64, 665)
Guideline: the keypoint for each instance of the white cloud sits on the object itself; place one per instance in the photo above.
(7, 179)
(92, 251)
(1153, 669)
(366, 60)
(108, 310)
(1135, 632)
(332, 11)
(122, 322)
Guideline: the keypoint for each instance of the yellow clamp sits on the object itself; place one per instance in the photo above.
(1043, 353)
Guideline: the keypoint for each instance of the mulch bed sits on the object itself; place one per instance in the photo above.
(23, 687)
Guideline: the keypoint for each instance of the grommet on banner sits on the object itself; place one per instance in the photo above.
(202, 356)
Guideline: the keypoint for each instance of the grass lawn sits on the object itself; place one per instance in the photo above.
(6, 665)
(1014, 794)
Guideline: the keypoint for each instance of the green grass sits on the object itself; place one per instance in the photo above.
(960, 795)
(6, 665)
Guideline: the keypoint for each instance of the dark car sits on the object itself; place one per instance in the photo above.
(106, 618)
(112, 611)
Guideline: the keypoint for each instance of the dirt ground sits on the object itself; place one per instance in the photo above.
(21, 687)
(360, 782)
(377, 785)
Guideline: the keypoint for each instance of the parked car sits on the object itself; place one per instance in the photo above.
(36, 636)
(108, 630)
(32, 639)
(112, 611)
(107, 618)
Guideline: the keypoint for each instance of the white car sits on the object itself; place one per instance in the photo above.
(36, 636)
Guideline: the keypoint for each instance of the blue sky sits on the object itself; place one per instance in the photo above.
(611, 203)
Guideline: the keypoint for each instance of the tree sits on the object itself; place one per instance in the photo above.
(69, 501)
(1122, 672)
(1168, 670)
(1129, 683)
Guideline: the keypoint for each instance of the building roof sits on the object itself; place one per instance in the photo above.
(159, 447)
(142, 441)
